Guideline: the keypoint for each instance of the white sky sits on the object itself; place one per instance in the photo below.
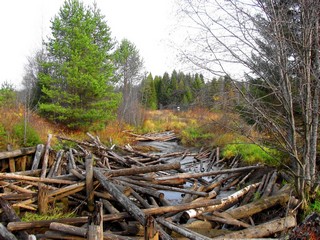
(146, 23)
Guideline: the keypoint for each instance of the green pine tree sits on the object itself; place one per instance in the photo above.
(76, 80)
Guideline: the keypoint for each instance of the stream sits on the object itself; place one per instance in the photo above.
(188, 163)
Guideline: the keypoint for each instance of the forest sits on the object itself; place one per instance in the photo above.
(82, 80)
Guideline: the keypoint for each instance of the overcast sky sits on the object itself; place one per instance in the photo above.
(146, 23)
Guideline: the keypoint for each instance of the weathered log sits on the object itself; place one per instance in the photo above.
(257, 206)
(145, 190)
(143, 202)
(270, 184)
(225, 219)
(35, 179)
(89, 182)
(77, 231)
(15, 187)
(37, 157)
(138, 170)
(77, 174)
(54, 169)
(17, 153)
(28, 173)
(125, 202)
(95, 223)
(12, 216)
(205, 174)
(169, 188)
(230, 200)
(112, 209)
(46, 157)
(58, 235)
(5, 234)
(182, 230)
(263, 230)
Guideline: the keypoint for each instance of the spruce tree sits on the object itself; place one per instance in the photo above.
(76, 78)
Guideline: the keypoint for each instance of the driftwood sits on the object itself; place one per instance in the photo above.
(117, 194)
(263, 230)
(17, 153)
(205, 174)
(5, 234)
(230, 200)
(13, 217)
(181, 230)
(138, 170)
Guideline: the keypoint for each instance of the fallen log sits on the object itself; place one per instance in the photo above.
(182, 230)
(12, 216)
(5, 234)
(263, 230)
(65, 228)
(34, 179)
(138, 170)
(162, 187)
(118, 195)
(230, 200)
(205, 174)
(257, 206)
(17, 153)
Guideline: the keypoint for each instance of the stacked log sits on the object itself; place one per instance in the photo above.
(121, 193)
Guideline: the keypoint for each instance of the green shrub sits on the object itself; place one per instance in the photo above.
(252, 153)
(315, 207)
(194, 136)
(32, 137)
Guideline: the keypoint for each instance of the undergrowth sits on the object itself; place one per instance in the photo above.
(252, 153)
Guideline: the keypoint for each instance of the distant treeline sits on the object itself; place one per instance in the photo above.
(185, 90)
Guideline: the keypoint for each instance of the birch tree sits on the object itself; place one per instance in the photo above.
(276, 44)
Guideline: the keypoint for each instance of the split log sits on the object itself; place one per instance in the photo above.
(17, 153)
(205, 174)
(138, 170)
(118, 195)
(263, 230)
(182, 230)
